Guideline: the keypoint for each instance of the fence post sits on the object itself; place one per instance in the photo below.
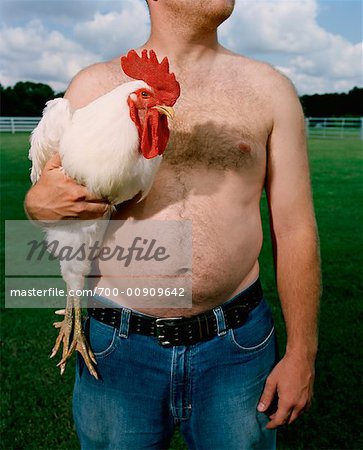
(307, 126)
(361, 128)
(342, 126)
(12, 123)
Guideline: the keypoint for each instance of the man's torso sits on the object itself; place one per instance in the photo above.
(212, 174)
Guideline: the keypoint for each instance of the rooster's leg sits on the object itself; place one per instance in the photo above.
(79, 342)
(65, 331)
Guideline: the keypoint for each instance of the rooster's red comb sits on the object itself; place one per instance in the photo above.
(155, 74)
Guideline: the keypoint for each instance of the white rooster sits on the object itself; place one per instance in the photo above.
(115, 152)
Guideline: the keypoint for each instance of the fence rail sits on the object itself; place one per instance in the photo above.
(18, 124)
(317, 127)
(335, 127)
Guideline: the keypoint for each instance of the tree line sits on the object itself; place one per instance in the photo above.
(27, 99)
(334, 105)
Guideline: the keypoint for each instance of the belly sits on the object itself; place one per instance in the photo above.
(223, 209)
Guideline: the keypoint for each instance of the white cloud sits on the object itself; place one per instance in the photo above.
(115, 32)
(274, 26)
(318, 61)
(34, 53)
(334, 69)
(55, 11)
(341, 60)
(312, 84)
(36, 45)
(37, 52)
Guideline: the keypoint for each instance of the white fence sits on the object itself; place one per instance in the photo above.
(335, 127)
(317, 127)
(18, 124)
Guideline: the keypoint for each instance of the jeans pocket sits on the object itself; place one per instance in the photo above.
(102, 338)
(256, 333)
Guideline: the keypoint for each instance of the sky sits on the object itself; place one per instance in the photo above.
(317, 43)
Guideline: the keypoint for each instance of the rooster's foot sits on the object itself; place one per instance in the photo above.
(65, 331)
(80, 344)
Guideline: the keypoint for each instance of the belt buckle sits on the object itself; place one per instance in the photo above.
(161, 324)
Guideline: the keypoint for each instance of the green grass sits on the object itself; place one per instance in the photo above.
(36, 401)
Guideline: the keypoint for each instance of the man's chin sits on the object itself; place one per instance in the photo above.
(220, 10)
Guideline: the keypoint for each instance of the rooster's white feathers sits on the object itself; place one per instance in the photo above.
(99, 148)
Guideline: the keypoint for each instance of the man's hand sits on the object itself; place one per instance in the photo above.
(56, 196)
(292, 381)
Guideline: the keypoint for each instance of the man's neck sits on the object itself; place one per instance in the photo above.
(184, 46)
(184, 53)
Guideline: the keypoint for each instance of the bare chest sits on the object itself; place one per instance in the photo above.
(218, 125)
(223, 118)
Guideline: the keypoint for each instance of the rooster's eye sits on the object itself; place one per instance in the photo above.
(145, 94)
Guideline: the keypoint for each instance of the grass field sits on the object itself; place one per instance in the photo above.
(36, 401)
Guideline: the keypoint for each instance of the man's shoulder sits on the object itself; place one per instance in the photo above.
(94, 81)
(264, 75)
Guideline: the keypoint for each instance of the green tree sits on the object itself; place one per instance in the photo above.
(334, 105)
(25, 99)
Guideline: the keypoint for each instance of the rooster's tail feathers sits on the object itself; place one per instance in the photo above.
(45, 138)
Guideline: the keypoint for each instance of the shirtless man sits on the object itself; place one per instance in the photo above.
(238, 129)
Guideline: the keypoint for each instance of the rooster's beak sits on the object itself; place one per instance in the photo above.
(167, 110)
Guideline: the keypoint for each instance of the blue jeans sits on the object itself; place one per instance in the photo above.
(210, 389)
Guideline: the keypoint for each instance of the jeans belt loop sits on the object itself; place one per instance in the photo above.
(221, 323)
(124, 323)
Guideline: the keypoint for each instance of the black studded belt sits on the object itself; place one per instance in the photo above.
(171, 331)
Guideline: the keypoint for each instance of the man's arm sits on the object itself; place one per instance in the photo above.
(296, 253)
(56, 196)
